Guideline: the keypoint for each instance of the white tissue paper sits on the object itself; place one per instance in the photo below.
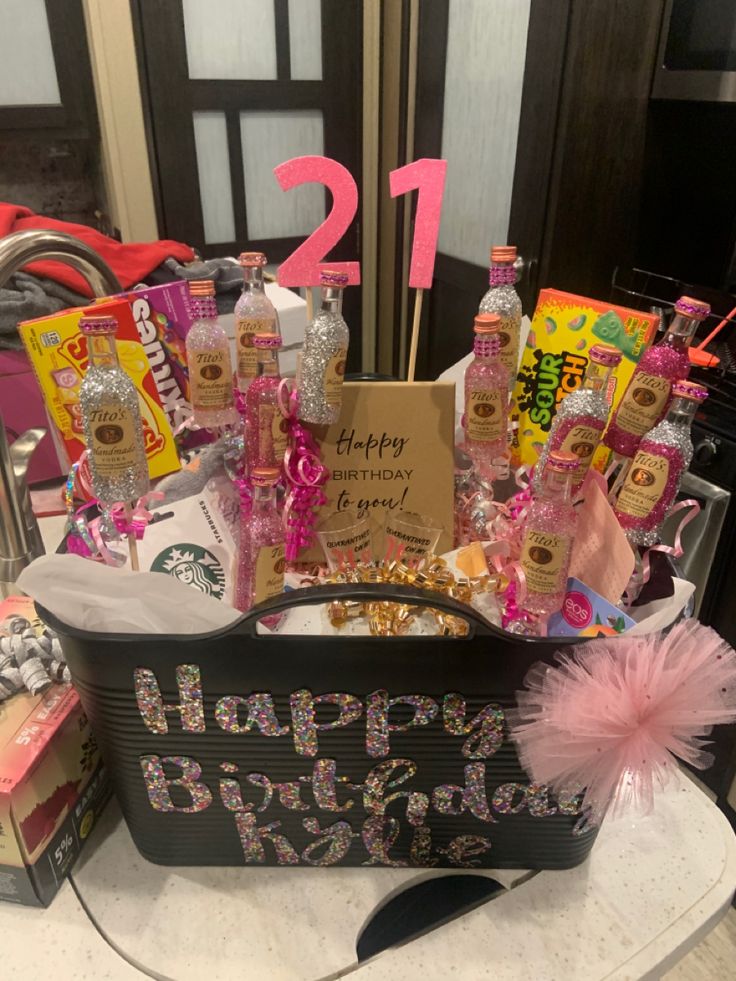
(660, 614)
(100, 598)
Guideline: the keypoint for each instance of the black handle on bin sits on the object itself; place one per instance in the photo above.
(364, 593)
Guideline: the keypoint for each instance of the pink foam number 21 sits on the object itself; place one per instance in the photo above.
(428, 177)
(303, 266)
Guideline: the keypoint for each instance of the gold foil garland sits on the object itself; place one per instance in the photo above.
(391, 619)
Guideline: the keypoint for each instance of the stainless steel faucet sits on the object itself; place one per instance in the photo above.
(20, 538)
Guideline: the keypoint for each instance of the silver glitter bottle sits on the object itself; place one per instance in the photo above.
(322, 367)
(112, 418)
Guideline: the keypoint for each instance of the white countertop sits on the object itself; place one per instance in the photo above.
(651, 889)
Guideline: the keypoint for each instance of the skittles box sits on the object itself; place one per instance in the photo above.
(58, 353)
(554, 360)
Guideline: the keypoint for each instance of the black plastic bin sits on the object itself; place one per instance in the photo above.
(233, 782)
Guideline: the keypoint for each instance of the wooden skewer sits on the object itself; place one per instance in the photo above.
(132, 542)
(415, 334)
(310, 305)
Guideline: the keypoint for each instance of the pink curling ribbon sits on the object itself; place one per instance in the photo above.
(305, 476)
(641, 576)
(135, 524)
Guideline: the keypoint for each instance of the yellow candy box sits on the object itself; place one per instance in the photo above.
(554, 360)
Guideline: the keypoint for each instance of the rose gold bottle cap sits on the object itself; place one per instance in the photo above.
(266, 340)
(562, 462)
(251, 259)
(697, 309)
(98, 325)
(503, 253)
(330, 277)
(201, 287)
(487, 323)
(264, 476)
(605, 354)
(689, 390)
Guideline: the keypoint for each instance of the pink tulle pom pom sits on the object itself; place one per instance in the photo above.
(612, 717)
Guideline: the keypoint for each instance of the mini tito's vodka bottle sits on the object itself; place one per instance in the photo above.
(662, 458)
(322, 366)
(208, 357)
(261, 553)
(265, 426)
(549, 531)
(582, 416)
(112, 418)
(254, 314)
(645, 400)
(486, 397)
(503, 299)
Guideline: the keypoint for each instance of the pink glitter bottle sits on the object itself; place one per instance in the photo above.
(265, 426)
(645, 400)
(582, 416)
(654, 477)
(254, 314)
(549, 530)
(208, 357)
(261, 554)
(486, 420)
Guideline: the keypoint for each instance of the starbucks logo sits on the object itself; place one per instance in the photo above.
(109, 434)
(211, 372)
(194, 566)
(643, 397)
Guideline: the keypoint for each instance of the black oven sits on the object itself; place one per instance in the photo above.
(697, 51)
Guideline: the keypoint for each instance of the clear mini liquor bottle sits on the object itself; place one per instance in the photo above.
(645, 400)
(261, 553)
(265, 426)
(503, 299)
(254, 314)
(662, 458)
(208, 357)
(486, 420)
(582, 416)
(549, 531)
(112, 418)
(322, 367)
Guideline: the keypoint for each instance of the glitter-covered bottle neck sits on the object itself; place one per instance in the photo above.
(268, 362)
(264, 498)
(556, 486)
(501, 274)
(203, 307)
(486, 345)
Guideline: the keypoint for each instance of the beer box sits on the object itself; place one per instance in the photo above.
(53, 785)
(555, 357)
(58, 353)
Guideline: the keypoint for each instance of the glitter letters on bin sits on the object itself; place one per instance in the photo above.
(485, 729)
(378, 727)
(461, 850)
(151, 704)
(157, 784)
(472, 796)
(338, 838)
(251, 837)
(260, 712)
(377, 783)
(305, 729)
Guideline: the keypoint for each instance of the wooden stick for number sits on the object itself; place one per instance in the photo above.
(310, 305)
(415, 333)
(132, 543)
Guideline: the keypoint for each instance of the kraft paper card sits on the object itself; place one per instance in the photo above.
(601, 555)
(392, 451)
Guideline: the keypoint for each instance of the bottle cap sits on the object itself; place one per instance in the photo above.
(605, 354)
(201, 287)
(329, 277)
(98, 325)
(503, 253)
(251, 259)
(487, 323)
(689, 390)
(697, 309)
(267, 340)
(264, 476)
(562, 462)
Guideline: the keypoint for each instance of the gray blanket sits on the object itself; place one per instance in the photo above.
(24, 297)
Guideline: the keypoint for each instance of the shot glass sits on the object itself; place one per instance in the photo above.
(345, 539)
(409, 537)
